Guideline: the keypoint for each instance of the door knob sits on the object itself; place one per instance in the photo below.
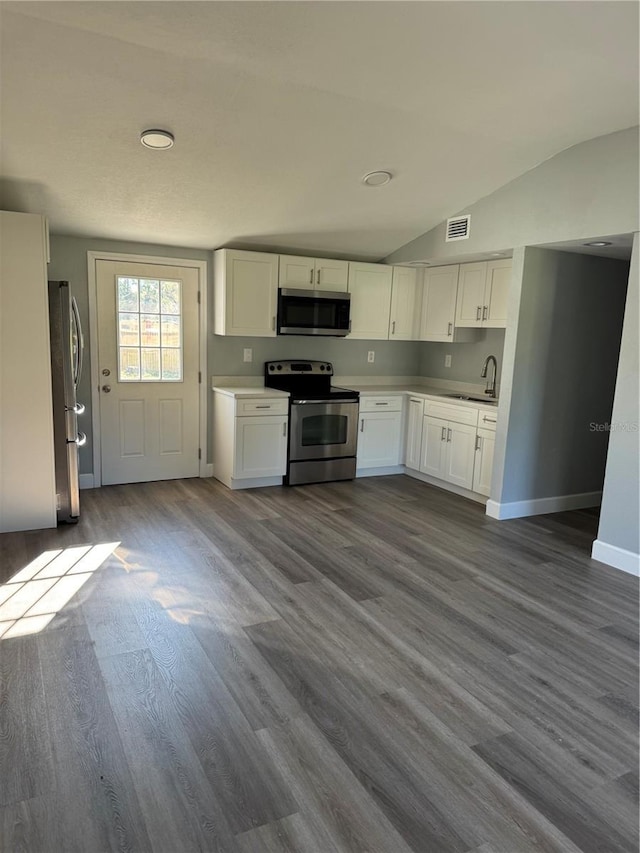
(106, 388)
(106, 372)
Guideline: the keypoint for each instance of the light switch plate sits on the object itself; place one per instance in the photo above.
(247, 354)
(447, 361)
(371, 356)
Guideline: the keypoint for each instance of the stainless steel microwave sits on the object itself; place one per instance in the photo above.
(313, 312)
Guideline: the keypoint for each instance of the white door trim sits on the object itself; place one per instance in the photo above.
(201, 267)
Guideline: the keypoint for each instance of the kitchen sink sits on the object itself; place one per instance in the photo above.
(489, 401)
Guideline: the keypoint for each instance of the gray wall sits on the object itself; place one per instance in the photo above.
(392, 358)
(588, 190)
(560, 365)
(466, 359)
(69, 261)
(620, 514)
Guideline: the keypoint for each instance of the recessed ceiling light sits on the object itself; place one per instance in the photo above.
(377, 179)
(598, 243)
(158, 139)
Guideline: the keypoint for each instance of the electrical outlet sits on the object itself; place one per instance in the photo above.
(247, 354)
(447, 361)
(371, 356)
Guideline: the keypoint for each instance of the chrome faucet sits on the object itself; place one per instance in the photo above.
(491, 384)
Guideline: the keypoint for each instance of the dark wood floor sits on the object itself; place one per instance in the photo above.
(373, 667)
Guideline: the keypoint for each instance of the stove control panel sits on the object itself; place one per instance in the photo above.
(298, 368)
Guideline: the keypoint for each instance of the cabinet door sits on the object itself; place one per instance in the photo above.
(246, 292)
(403, 304)
(460, 454)
(485, 444)
(296, 272)
(331, 275)
(379, 439)
(414, 433)
(434, 443)
(260, 447)
(497, 293)
(471, 289)
(370, 289)
(439, 304)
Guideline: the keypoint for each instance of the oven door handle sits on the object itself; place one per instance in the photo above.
(313, 402)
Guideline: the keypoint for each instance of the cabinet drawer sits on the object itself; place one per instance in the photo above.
(487, 420)
(450, 412)
(278, 406)
(381, 404)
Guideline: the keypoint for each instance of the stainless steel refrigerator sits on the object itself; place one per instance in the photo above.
(66, 368)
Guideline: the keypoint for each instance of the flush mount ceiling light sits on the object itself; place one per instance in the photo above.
(598, 243)
(158, 139)
(377, 179)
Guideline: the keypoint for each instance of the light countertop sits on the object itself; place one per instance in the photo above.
(249, 393)
(424, 391)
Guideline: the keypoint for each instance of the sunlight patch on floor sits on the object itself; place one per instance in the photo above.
(37, 592)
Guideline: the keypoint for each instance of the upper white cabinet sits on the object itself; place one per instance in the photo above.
(439, 292)
(313, 273)
(483, 291)
(27, 484)
(402, 323)
(370, 289)
(245, 293)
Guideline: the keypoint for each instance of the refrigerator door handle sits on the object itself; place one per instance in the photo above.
(80, 440)
(80, 339)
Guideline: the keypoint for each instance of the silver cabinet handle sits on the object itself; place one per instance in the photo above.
(284, 429)
(106, 388)
(273, 324)
(311, 276)
(318, 277)
(382, 404)
(448, 435)
(263, 407)
(449, 329)
(477, 442)
(393, 327)
(485, 311)
(413, 400)
(478, 312)
(361, 424)
(444, 434)
(489, 420)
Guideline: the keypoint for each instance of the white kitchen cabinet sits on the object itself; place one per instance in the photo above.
(448, 450)
(497, 293)
(245, 293)
(413, 442)
(379, 439)
(260, 447)
(483, 294)
(313, 273)
(370, 289)
(27, 484)
(439, 292)
(485, 445)
(250, 436)
(402, 322)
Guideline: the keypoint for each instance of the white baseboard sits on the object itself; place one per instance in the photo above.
(86, 481)
(448, 487)
(206, 469)
(379, 472)
(619, 558)
(542, 506)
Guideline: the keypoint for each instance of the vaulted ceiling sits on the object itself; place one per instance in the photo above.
(280, 108)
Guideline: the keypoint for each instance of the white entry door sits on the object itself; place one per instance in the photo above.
(148, 366)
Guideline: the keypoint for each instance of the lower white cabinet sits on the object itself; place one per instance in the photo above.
(448, 451)
(249, 440)
(413, 442)
(379, 439)
(485, 444)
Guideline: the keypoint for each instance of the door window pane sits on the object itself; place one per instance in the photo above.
(149, 329)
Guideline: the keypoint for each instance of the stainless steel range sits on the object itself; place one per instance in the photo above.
(323, 421)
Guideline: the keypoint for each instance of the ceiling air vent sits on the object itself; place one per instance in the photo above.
(458, 228)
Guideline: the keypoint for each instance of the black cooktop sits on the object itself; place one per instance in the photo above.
(308, 380)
